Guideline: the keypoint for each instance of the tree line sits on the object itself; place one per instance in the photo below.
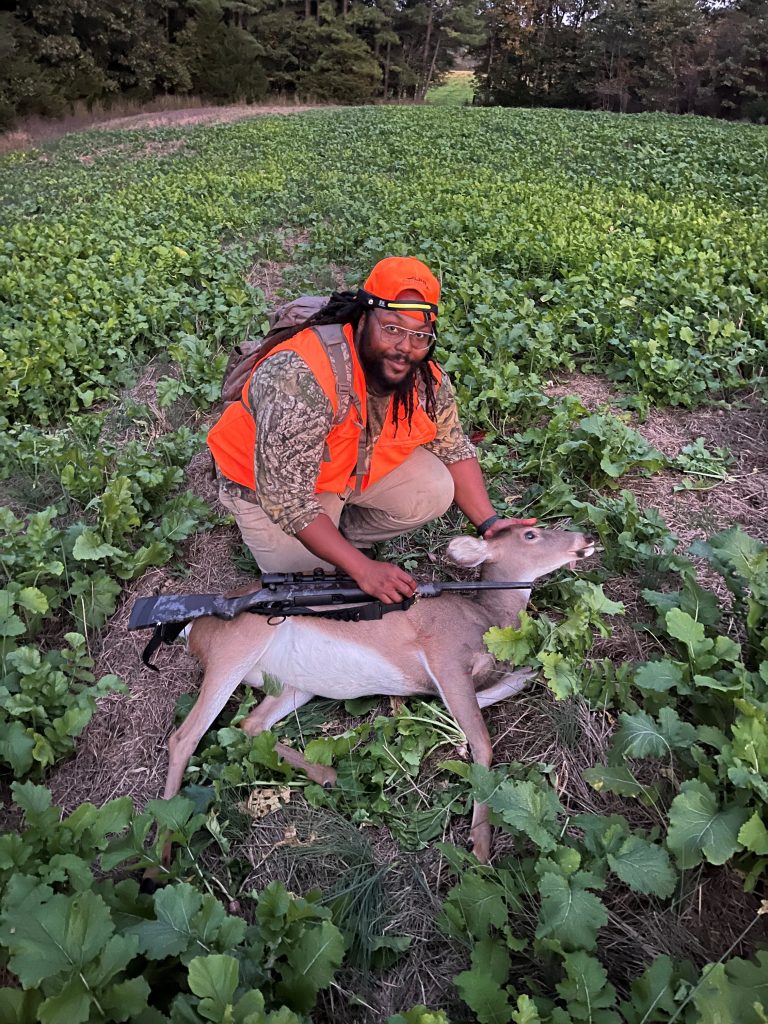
(701, 56)
(54, 53)
(682, 56)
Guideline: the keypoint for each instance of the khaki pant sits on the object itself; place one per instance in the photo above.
(419, 490)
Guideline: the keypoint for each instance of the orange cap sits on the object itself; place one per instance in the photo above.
(397, 274)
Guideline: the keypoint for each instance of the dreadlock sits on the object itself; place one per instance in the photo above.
(344, 308)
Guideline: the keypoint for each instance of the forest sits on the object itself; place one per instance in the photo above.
(680, 56)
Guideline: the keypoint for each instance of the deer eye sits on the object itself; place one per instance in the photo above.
(530, 535)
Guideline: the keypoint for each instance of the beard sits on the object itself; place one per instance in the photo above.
(376, 369)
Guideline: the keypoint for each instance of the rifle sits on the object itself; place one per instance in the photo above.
(283, 594)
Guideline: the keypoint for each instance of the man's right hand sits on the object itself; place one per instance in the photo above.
(384, 581)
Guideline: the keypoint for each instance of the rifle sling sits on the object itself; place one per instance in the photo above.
(167, 632)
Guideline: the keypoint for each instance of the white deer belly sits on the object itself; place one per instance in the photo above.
(305, 657)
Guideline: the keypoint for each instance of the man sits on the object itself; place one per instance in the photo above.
(349, 435)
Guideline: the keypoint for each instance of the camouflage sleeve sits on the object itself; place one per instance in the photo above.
(293, 418)
(451, 444)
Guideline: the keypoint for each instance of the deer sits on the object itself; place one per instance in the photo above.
(434, 648)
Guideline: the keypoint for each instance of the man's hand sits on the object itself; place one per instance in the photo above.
(506, 524)
(389, 583)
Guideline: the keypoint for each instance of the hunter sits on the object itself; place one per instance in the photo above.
(347, 433)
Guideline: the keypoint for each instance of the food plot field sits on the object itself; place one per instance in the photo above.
(604, 319)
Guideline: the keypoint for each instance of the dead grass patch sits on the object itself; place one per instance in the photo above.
(128, 115)
(123, 750)
(592, 390)
(129, 151)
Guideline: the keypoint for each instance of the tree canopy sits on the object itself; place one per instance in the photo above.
(623, 55)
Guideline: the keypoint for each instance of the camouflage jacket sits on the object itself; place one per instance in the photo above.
(293, 419)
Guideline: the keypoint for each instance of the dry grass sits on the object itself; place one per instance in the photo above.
(123, 750)
(127, 115)
(375, 888)
(592, 390)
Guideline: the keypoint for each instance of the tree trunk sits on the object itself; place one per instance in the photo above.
(421, 89)
(307, 9)
(386, 70)
(432, 66)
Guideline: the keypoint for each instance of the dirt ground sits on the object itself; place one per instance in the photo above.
(31, 133)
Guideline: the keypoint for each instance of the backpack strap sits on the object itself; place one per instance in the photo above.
(334, 342)
(332, 336)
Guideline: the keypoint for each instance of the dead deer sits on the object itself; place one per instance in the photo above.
(434, 648)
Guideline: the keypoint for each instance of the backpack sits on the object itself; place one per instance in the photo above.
(283, 322)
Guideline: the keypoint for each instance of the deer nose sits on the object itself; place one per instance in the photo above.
(589, 538)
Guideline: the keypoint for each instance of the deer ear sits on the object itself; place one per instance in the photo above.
(467, 551)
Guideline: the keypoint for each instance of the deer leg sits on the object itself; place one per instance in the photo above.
(218, 686)
(508, 686)
(216, 690)
(460, 699)
(272, 710)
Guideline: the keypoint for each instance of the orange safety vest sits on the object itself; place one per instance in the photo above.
(232, 439)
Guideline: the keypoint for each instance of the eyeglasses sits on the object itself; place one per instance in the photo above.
(419, 340)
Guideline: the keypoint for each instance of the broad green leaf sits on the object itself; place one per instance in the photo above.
(476, 905)
(484, 996)
(569, 912)
(10, 623)
(173, 814)
(513, 644)
(680, 735)
(60, 936)
(653, 994)
(172, 931)
(71, 1005)
(26, 660)
(683, 627)
(735, 991)
(17, 1007)
(586, 990)
(754, 835)
(700, 830)
(561, 675)
(125, 1000)
(644, 867)
(638, 736)
(419, 1015)
(214, 979)
(659, 676)
(90, 547)
(33, 600)
(596, 600)
(312, 960)
(35, 801)
(16, 747)
(525, 1012)
(525, 807)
